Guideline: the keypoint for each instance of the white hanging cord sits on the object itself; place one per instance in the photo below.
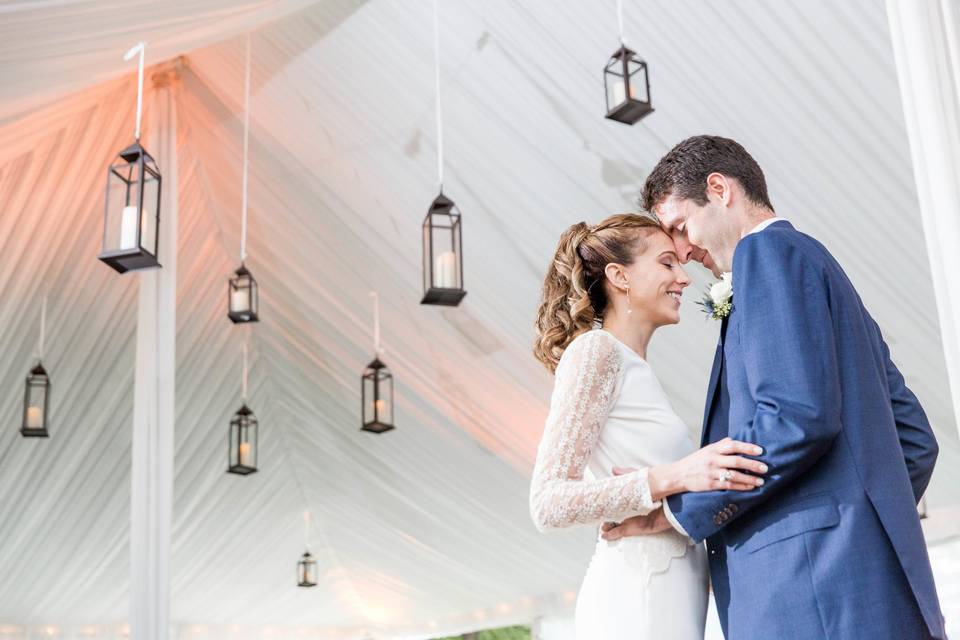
(623, 40)
(43, 327)
(376, 322)
(243, 381)
(246, 147)
(436, 49)
(306, 529)
(140, 48)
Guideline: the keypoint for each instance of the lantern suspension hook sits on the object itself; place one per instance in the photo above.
(43, 327)
(246, 153)
(376, 323)
(436, 70)
(623, 41)
(140, 48)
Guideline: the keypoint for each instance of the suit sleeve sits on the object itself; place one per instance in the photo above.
(786, 338)
(920, 448)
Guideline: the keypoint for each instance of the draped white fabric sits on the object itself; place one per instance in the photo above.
(425, 529)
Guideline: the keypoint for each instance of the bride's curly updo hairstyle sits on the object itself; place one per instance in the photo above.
(573, 298)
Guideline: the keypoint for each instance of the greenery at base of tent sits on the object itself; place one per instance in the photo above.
(506, 633)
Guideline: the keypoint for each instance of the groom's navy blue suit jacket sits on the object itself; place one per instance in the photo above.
(831, 545)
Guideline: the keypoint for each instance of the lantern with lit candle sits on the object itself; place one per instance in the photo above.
(627, 87)
(35, 401)
(377, 397)
(131, 220)
(132, 213)
(307, 571)
(243, 442)
(442, 257)
(243, 303)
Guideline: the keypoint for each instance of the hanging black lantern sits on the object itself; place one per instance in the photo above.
(442, 255)
(377, 397)
(242, 457)
(35, 403)
(242, 297)
(307, 571)
(132, 212)
(627, 87)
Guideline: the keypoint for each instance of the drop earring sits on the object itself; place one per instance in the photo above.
(629, 310)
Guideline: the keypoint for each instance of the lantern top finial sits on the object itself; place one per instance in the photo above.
(134, 151)
(624, 52)
(442, 204)
(38, 370)
(376, 364)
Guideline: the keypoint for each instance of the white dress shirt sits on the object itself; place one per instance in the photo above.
(666, 507)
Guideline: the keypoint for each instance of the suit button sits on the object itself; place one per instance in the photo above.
(717, 520)
(733, 508)
(713, 552)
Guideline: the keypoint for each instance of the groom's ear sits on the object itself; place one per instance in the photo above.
(720, 186)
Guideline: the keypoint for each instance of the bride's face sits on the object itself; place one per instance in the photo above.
(657, 280)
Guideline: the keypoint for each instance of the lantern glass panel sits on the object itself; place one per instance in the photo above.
(307, 571)
(378, 396)
(35, 402)
(131, 215)
(243, 442)
(614, 81)
(242, 297)
(637, 73)
(441, 267)
(149, 212)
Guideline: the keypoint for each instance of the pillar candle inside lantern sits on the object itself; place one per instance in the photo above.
(445, 270)
(128, 227)
(240, 299)
(34, 418)
(245, 454)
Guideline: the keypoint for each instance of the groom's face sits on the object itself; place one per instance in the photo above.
(683, 220)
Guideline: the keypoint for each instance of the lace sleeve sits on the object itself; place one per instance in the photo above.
(583, 394)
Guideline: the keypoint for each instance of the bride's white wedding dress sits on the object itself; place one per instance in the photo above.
(608, 409)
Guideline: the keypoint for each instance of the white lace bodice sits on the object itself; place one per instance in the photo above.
(607, 409)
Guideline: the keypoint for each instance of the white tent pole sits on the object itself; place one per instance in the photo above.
(927, 52)
(151, 472)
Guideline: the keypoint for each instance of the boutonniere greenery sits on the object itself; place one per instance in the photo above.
(718, 301)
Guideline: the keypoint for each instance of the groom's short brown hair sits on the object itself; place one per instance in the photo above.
(683, 172)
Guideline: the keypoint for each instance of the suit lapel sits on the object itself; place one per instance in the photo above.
(714, 384)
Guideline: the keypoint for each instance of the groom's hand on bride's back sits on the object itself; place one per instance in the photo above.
(653, 522)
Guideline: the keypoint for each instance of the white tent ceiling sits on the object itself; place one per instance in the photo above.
(424, 528)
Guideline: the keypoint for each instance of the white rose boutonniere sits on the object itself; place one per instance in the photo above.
(718, 302)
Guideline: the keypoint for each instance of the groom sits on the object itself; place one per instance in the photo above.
(831, 545)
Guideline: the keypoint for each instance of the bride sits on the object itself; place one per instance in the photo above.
(609, 288)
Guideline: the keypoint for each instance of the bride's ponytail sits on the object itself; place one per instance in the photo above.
(573, 297)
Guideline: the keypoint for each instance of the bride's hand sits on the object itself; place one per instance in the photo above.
(719, 467)
(712, 468)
